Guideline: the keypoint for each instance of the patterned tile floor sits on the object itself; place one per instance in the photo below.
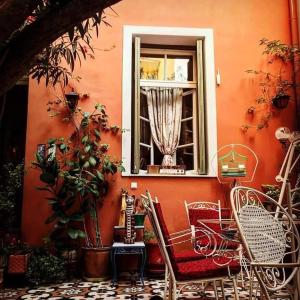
(78, 290)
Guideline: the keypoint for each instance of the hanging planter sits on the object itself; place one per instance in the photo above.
(281, 101)
(72, 100)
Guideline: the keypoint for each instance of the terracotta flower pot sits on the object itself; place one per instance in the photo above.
(95, 263)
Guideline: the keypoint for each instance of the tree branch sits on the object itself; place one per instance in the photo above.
(13, 14)
(38, 35)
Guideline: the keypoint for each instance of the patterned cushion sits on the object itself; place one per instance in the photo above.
(205, 268)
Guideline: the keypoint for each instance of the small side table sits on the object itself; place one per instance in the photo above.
(137, 248)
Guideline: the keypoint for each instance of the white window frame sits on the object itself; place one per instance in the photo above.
(177, 36)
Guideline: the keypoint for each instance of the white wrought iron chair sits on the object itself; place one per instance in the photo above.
(187, 273)
(271, 240)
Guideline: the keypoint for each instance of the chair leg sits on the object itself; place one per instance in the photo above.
(216, 290)
(166, 282)
(222, 288)
(250, 284)
(174, 294)
(235, 288)
(241, 264)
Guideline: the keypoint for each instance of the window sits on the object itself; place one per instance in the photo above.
(169, 116)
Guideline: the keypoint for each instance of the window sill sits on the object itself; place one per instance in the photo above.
(169, 175)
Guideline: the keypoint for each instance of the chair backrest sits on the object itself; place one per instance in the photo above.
(204, 210)
(270, 238)
(155, 216)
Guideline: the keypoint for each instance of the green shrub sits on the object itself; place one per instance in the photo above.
(45, 268)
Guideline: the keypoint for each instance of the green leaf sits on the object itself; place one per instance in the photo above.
(97, 133)
(62, 146)
(100, 176)
(92, 161)
(76, 217)
(84, 139)
(86, 165)
(73, 233)
(64, 219)
(47, 178)
(52, 141)
(81, 234)
(87, 148)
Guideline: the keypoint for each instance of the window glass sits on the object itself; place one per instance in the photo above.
(185, 156)
(187, 106)
(144, 106)
(145, 132)
(179, 68)
(186, 133)
(158, 157)
(145, 157)
(152, 67)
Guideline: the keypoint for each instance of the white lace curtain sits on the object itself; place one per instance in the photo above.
(165, 111)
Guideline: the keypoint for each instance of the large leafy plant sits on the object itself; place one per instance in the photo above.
(77, 177)
(274, 81)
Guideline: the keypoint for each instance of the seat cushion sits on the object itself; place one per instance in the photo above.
(187, 255)
(205, 268)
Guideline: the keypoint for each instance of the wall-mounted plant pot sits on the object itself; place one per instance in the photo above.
(72, 100)
(281, 101)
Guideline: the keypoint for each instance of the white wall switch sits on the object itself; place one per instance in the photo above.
(133, 185)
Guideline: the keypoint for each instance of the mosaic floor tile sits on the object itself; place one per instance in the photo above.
(123, 290)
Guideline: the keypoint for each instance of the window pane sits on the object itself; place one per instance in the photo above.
(185, 156)
(179, 68)
(158, 157)
(186, 133)
(187, 106)
(144, 157)
(152, 67)
(144, 106)
(145, 132)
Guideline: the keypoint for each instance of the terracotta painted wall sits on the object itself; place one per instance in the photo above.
(238, 26)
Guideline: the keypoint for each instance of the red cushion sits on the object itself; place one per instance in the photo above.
(205, 268)
(198, 213)
(187, 255)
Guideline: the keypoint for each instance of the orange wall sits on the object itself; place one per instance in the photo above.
(238, 26)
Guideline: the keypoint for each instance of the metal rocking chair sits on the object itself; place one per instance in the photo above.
(271, 240)
(189, 272)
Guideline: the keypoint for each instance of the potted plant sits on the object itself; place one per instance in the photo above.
(78, 178)
(275, 85)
